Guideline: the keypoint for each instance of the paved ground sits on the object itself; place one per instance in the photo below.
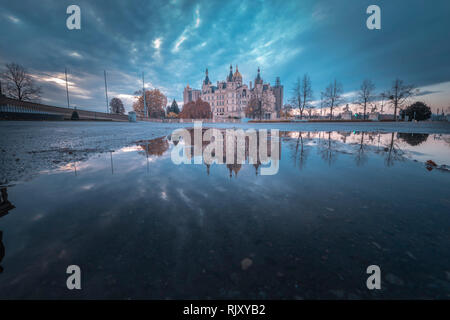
(27, 148)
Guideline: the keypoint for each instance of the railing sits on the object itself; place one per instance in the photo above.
(15, 106)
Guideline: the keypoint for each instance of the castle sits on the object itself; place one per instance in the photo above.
(229, 98)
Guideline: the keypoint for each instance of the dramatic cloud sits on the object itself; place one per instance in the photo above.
(173, 42)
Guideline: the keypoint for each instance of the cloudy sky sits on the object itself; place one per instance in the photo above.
(173, 41)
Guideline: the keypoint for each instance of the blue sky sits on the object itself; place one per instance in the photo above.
(174, 41)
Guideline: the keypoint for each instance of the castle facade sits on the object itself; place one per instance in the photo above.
(229, 98)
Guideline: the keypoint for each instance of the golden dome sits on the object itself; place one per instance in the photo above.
(237, 74)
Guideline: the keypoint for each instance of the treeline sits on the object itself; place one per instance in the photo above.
(302, 97)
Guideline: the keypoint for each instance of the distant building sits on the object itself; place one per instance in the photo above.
(374, 116)
(230, 97)
(347, 114)
(278, 92)
(190, 94)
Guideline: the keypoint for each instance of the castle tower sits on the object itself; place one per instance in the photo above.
(258, 79)
(278, 92)
(230, 75)
(206, 81)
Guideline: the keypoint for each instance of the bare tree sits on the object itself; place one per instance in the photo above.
(383, 99)
(307, 94)
(399, 94)
(322, 103)
(296, 99)
(365, 95)
(302, 94)
(333, 96)
(19, 83)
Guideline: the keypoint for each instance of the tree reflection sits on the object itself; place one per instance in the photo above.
(154, 147)
(300, 151)
(413, 139)
(393, 152)
(327, 149)
(361, 156)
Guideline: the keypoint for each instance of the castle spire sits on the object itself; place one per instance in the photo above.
(206, 81)
(258, 78)
(230, 76)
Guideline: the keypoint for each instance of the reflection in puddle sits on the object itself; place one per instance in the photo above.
(393, 147)
(140, 226)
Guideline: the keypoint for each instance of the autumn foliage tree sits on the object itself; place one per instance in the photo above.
(155, 101)
(196, 110)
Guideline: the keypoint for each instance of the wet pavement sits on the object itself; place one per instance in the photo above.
(140, 226)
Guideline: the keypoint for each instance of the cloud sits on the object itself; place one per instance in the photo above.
(197, 17)
(187, 31)
(178, 43)
(13, 19)
(172, 42)
(157, 43)
(75, 55)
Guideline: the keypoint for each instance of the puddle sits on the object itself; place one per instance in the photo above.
(140, 226)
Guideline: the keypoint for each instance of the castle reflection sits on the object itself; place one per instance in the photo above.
(393, 147)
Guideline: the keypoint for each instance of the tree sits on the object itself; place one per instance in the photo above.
(365, 95)
(399, 94)
(332, 96)
(20, 84)
(155, 101)
(75, 115)
(116, 106)
(196, 110)
(307, 95)
(258, 105)
(418, 111)
(413, 139)
(296, 100)
(302, 95)
(174, 107)
(172, 115)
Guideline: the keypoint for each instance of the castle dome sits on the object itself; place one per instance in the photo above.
(237, 74)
